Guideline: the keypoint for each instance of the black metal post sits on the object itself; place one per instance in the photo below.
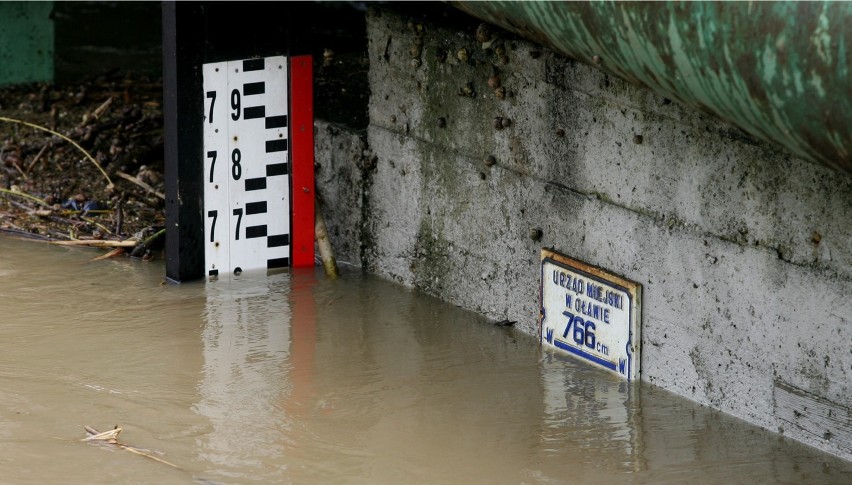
(182, 113)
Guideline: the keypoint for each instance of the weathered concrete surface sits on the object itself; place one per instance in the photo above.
(341, 159)
(778, 70)
(744, 252)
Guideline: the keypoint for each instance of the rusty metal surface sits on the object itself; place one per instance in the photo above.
(633, 288)
(777, 70)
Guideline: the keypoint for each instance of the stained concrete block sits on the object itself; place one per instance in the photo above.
(744, 252)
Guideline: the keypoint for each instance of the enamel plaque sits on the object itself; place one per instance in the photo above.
(590, 313)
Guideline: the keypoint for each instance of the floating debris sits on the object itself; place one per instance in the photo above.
(111, 438)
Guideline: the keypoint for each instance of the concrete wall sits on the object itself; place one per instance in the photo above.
(744, 252)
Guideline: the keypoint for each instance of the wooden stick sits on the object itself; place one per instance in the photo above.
(119, 215)
(98, 243)
(37, 157)
(111, 437)
(115, 252)
(100, 110)
(131, 178)
(324, 245)
(94, 115)
(21, 171)
(94, 435)
(146, 455)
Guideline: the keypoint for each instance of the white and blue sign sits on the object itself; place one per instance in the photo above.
(590, 313)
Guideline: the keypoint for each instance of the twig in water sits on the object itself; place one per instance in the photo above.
(115, 252)
(145, 245)
(95, 435)
(111, 437)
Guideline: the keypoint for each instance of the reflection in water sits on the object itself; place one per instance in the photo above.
(593, 411)
(246, 344)
(297, 379)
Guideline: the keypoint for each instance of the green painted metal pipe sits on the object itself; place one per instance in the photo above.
(26, 42)
(777, 70)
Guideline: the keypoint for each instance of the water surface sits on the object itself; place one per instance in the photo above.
(293, 378)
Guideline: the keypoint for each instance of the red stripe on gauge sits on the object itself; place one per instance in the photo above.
(302, 146)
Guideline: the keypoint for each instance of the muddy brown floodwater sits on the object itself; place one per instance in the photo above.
(294, 378)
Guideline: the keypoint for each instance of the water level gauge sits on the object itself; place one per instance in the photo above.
(247, 165)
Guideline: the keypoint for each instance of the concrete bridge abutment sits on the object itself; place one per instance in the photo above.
(477, 156)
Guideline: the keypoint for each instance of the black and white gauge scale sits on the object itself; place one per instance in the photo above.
(246, 165)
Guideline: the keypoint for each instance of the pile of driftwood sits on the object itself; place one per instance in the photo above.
(82, 165)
